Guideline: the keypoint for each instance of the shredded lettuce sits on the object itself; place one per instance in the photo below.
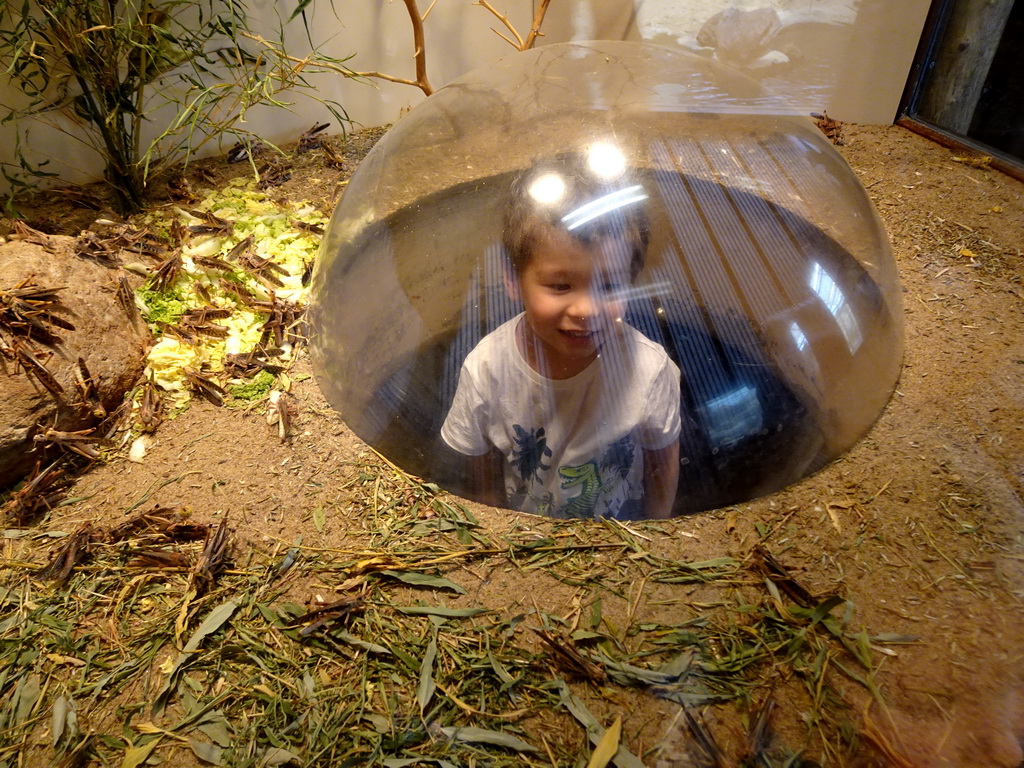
(274, 237)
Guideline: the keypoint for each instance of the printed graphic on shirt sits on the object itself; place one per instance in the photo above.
(597, 487)
(587, 478)
(529, 452)
(618, 457)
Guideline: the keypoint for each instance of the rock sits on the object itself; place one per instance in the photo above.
(740, 37)
(109, 338)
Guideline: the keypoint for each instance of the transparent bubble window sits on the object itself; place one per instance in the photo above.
(765, 277)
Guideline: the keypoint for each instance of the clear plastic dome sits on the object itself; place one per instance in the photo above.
(766, 275)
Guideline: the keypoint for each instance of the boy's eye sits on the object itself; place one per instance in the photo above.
(560, 287)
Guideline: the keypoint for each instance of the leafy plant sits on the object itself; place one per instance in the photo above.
(195, 66)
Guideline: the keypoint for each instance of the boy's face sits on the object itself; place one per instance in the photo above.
(574, 297)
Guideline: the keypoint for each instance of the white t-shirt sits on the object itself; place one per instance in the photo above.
(572, 447)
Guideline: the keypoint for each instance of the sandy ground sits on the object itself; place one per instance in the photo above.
(920, 526)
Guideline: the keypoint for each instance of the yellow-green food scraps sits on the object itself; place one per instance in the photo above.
(275, 237)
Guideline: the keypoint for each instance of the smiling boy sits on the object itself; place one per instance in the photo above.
(566, 410)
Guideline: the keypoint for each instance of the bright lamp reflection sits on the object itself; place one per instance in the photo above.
(606, 160)
(548, 189)
(832, 296)
(602, 205)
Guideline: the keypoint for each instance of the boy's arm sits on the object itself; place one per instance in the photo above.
(487, 480)
(661, 475)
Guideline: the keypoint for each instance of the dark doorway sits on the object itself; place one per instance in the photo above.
(967, 84)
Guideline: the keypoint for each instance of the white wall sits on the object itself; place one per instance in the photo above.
(849, 57)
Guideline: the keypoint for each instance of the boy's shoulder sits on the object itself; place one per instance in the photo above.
(645, 348)
(494, 349)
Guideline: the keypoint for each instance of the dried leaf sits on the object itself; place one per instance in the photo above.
(64, 721)
(425, 689)
(207, 752)
(216, 726)
(418, 579)
(623, 757)
(214, 620)
(447, 613)
(606, 748)
(485, 736)
(137, 755)
(278, 756)
(355, 641)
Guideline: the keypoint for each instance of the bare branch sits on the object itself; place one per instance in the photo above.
(418, 43)
(508, 25)
(538, 19)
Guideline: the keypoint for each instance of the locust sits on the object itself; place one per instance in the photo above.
(273, 175)
(158, 559)
(309, 140)
(24, 232)
(283, 318)
(245, 150)
(126, 297)
(75, 549)
(246, 364)
(197, 321)
(212, 225)
(239, 291)
(86, 385)
(279, 413)
(205, 386)
(123, 238)
(80, 441)
(25, 311)
(151, 406)
(179, 235)
(159, 522)
(212, 262)
(568, 659)
(765, 564)
(181, 189)
(305, 226)
(39, 491)
(833, 129)
(265, 269)
(91, 246)
(339, 612)
(24, 357)
(333, 158)
(212, 560)
(167, 272)
(79, 197)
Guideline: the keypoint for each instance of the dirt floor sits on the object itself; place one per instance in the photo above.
(920, 527)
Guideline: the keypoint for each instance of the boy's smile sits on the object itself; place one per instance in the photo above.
(573, 294)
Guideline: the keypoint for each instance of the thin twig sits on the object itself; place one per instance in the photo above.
(519, 43)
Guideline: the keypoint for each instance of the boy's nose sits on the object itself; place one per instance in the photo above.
(584, 306)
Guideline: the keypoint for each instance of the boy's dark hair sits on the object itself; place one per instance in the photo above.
(525, 216)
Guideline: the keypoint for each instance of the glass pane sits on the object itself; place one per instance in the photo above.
(700, 233)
